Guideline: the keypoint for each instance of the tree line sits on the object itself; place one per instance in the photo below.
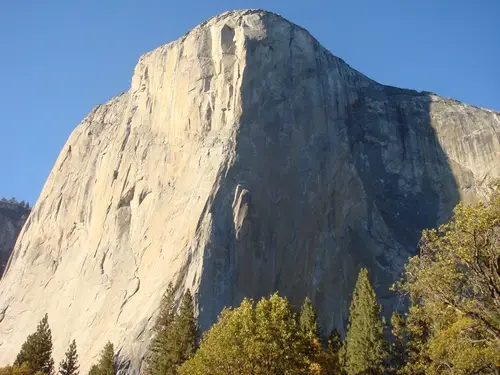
(14, 201)
(451, 325)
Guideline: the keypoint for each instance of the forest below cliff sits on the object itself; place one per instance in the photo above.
(451, 325)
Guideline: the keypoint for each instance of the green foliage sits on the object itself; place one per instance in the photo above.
(36, 351)
(308, 320)
(106, 364)
(185, 329)
(224, 347)
(453, 324)
(167, 310)
(331, 361)
(24, 369)
(397, 348)
(175, 335)
(264, 339)
(107, 361)
(312, 350)
(278, 343)
(365, 346)
(94, 370)
(69, 365)
(158, 361)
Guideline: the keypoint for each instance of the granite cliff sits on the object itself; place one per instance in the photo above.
(244, 159)
(12, 218)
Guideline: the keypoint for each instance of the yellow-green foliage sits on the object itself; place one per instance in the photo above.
(24, 369)
(260, 339)
(453, 325)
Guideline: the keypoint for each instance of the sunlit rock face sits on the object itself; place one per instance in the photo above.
(244, 159)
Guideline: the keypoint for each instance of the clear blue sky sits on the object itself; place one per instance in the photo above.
(59, 58)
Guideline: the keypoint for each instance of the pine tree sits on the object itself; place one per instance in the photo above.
(309, 332)
(332, 354)
(37, 349)
(175, 339)
(69, 365)
(185, 329)
(365, 346)
(107, 362)
(167, 310)
(398, 345)
(157, 361)
(94, 370)
(23, 369)
(309, 320)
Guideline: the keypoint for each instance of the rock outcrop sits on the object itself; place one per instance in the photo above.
(12, 218)
(244, 159)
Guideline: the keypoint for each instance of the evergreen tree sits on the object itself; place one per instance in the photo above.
(175, 339)
(107, 361)
(365, 346)
(23, 369)
(69, 365)
(106, 364)
(158, 361)
(94, 370)
(332, 354)
(185, 329)
(398, 345)
(309, 320)
(37, 349)
(308, 325)
(167, 310)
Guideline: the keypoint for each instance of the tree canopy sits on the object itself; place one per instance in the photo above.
(262, 338)
(453, 324)
(69, 365)
(106, 363)
(365, 350)
(36, 352)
